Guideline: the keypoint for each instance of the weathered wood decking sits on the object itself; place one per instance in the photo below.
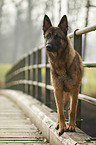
(15, 127)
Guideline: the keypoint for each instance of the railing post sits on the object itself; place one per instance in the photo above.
(28, 73)
(31, 73)
(78, 48)
(38, 74)
(47, 81)
(24, 74)
(78, 43)
(34, 75)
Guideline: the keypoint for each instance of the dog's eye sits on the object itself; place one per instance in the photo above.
(57, 36)
(48, 35)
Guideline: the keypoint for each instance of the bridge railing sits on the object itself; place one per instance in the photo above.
(31, 74)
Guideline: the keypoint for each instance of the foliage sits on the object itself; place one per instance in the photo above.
(21, 24)
(89, 82)
(3, 70)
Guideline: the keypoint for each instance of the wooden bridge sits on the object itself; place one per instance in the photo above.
(31, 75)
(15, 127)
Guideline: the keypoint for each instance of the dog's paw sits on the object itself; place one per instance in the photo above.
(71, 128)
(57, 127)
(61, 131)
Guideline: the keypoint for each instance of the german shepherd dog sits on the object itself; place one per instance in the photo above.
(66, 70)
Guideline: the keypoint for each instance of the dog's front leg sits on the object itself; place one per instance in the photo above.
(73, 109)
(57, 123)
(60, 110)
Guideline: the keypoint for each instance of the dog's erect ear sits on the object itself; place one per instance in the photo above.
(46, 23)
(64, 24)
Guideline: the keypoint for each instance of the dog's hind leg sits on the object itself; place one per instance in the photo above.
(66, 97)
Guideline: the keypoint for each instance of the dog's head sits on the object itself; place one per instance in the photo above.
(55, 37)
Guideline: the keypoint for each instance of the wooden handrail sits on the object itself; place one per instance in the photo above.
(15, 72)
(83, 31)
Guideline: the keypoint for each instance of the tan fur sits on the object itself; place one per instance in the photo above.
(66, 73)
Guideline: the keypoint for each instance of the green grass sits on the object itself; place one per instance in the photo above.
(89, 82)
(3, 70)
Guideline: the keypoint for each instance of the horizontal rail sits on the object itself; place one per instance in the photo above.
(35, 83)
(89, 64)
(71, 35)
(83, 31)
(88, 99)
(85, 64)
(83, 97)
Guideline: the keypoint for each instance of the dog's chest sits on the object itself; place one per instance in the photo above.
(58, 68)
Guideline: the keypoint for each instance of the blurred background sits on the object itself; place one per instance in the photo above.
(21, 29)
(21, 32)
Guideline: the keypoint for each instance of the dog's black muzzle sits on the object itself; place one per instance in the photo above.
(49, 47)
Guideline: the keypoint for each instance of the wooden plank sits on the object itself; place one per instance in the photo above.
(21, 138)
(15, 127)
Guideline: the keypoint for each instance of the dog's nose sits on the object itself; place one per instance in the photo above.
(49, 46)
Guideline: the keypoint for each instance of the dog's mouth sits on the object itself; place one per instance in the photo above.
(50, 48)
